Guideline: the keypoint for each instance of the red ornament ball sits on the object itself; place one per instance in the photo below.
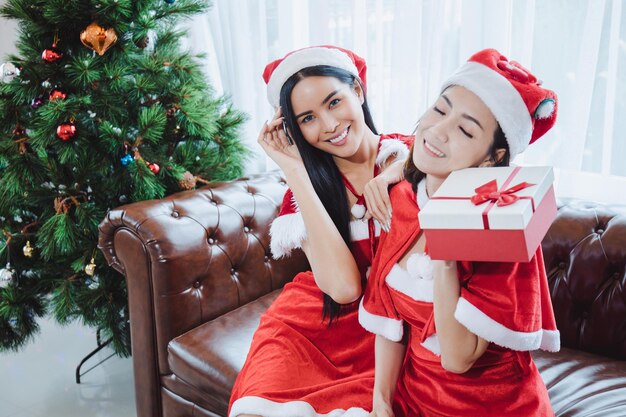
(57, 95)
(50, 55)
(66, 131)
(155, 168)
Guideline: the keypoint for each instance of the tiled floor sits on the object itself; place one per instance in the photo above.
(39, 381)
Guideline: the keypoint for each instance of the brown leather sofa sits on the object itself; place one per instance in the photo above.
(200, 273)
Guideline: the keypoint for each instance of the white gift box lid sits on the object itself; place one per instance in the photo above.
(463, 214)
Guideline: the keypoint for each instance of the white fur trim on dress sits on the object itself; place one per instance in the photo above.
(417, 288)
(484, 326)
(391, 329)
(499, 95)
(432, 343)
(267, 408)
(551, 340)
(390, 147)
(287, 233)
(359, 230)
(308, 57)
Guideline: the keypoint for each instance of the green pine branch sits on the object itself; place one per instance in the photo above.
(144, 116)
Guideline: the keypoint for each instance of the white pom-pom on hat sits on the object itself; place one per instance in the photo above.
(545, 109)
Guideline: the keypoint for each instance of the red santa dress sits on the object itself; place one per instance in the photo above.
(298, 365)
(508, 304)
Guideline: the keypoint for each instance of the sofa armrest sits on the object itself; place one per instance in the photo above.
(194, 256)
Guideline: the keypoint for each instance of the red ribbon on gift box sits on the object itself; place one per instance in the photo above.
(489, 192)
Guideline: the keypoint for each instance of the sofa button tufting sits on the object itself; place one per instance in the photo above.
(211, 241)
(197, 284)
(266, 258)
(232, 271)
(246, 229)
(600, 231)
(175, 214)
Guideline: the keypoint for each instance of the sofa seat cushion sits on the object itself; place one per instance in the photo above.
(210, 356)
(583, 384)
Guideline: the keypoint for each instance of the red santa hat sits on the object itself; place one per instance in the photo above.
(524, 109)
(279, 71)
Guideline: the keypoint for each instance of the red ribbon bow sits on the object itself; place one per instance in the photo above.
(489, 192)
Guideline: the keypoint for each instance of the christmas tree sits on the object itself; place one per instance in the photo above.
(99, 107)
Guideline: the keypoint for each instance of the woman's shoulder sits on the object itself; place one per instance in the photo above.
(402, 191)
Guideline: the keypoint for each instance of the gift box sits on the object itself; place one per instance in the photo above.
(490, 214)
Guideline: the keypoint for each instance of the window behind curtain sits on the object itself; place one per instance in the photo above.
(577, 47)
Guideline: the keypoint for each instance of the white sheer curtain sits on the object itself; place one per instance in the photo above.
(577, 47)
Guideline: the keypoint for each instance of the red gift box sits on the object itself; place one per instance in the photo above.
(490, 214)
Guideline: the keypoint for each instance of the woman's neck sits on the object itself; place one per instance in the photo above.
(364, 157)
(432, 184)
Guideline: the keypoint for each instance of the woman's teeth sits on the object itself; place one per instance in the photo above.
(340, 137)
(434, 150)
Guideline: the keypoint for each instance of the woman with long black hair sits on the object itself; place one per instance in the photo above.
(310, 356)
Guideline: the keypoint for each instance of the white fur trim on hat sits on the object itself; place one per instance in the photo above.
(390, 147)
(267, 408)
(504, 101)
(304, 58)
(484, 326)
(389, 328)
(287, 233)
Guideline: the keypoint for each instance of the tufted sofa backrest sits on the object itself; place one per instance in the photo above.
(196, 255)
(585, 256)
(191, 257)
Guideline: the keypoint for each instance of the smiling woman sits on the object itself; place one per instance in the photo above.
(309, 355)
(469, 323)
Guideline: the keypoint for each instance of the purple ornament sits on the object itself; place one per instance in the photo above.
(37, 102)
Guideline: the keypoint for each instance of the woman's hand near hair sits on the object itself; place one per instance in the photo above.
(376, 194)
(334, 268)
(273, 140)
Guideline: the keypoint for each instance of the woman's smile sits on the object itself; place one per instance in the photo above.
(433, 151)
(340, 139)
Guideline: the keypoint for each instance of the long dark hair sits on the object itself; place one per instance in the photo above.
(325, 176)
(414, 175)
